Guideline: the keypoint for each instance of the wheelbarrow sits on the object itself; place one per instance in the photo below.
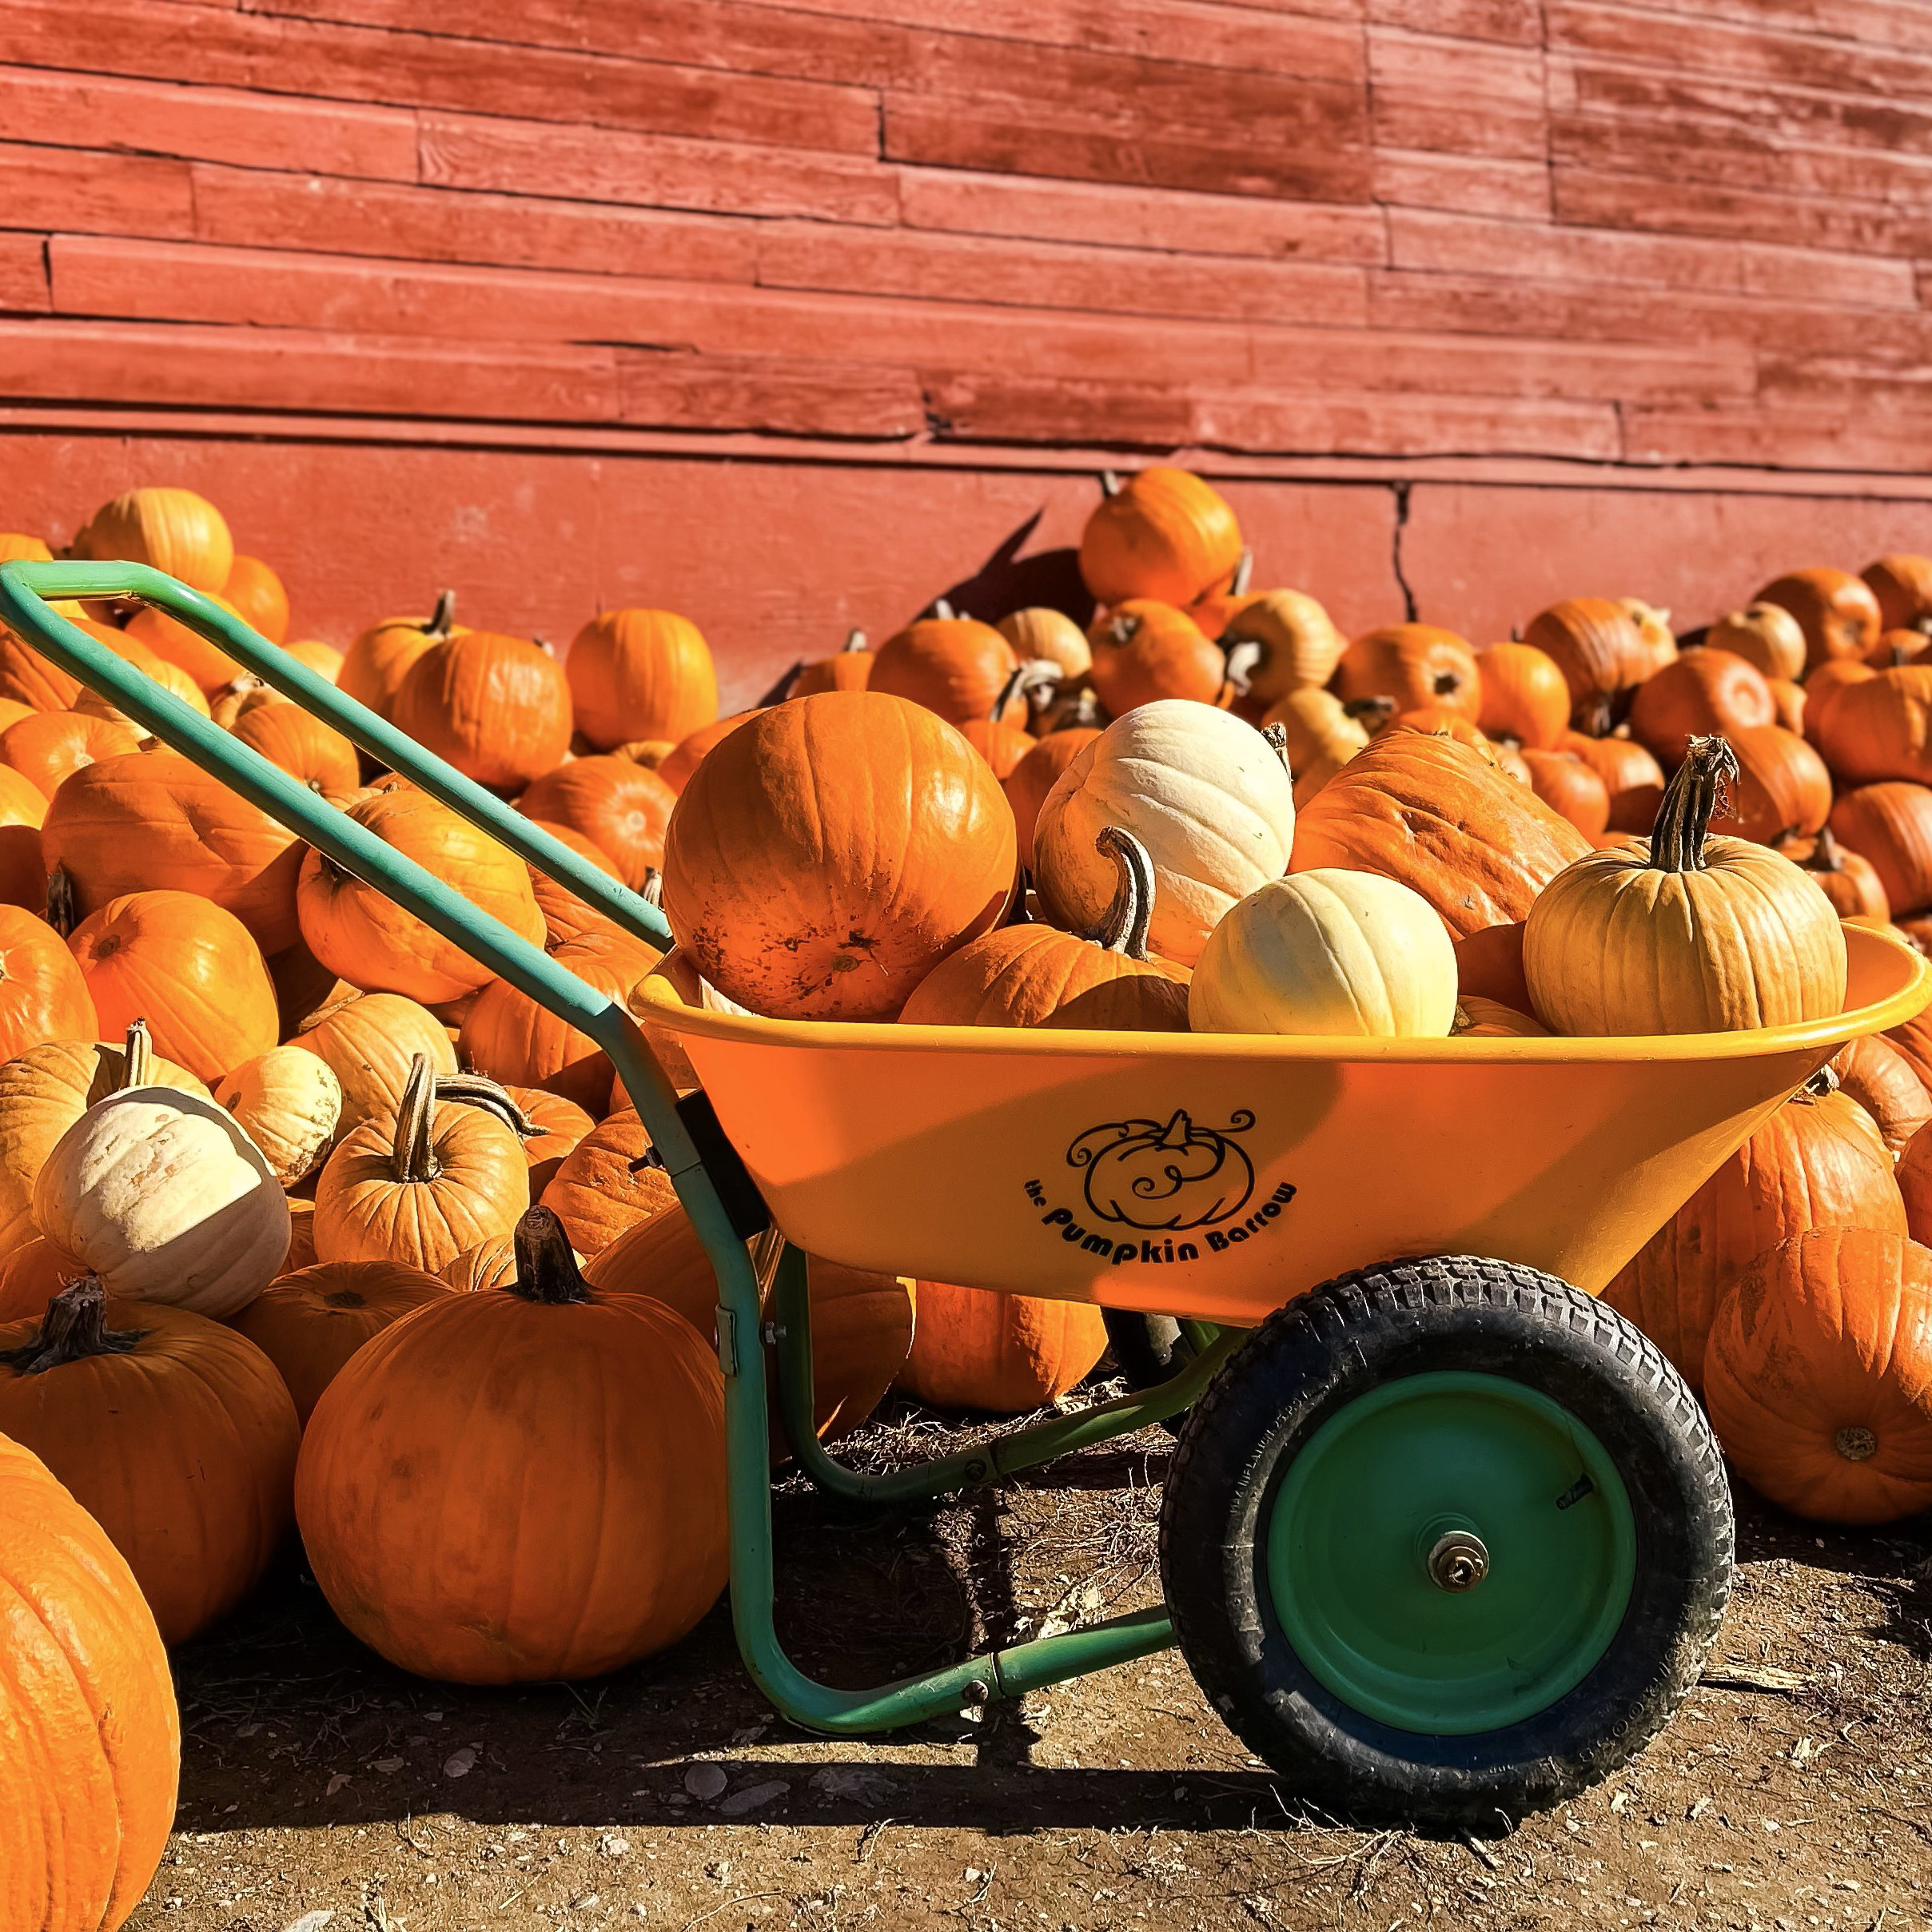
(1444, 1537)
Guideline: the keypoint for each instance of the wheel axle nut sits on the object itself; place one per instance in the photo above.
(1458, 1561)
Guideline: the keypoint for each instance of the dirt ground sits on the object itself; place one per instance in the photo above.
(322, 1789)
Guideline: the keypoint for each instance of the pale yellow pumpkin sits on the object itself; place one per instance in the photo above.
(1040, 634)
(1316, 726)
(1327, 952)
(163, 1196)
(1279, 642)
(289, 1103)
(1206, 793)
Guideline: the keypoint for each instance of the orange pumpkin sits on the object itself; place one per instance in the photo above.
(23, 864)
(848, 668)
(173, 1432)
(170, 639)
(1525, 696)
(1789, 700)
(954, 666)
(640, 674)
(675, 770)
(1849, 881)
(1766, 634)
(48, 747)
(1896, 648)
(1163, 533)
(1489, 965)
(1570, 788)
(309, 1322)
(974, 1349)
(1417, 665)
(825, 858)
(510, 1037)
(1601, 652)
(605, 1185)
(1880, 728)
(43, 994)
(28, 678)
(1836, 611)
(422, 1185)
(375, 665)
(1902, 585)
(89, 1777)
(496, 707)
(150, 819)
(561, 1124)
(186, 967)
(620, 807)
(565, 915)
(365, 937)
(1703, 692)
(1819, 1376)
(1027, 784)
(176, 531)
(1143, 651)
(1872, 1072)
(1822, 687)
(1633, 779)
(1890, 826)
(1781, 791)
(1817, 1162)
(31, 1277)
(370, 1042)
(1437, 817)
(310, 751)
(259, 595)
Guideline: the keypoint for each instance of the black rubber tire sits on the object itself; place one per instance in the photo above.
(1310, 1360)
(1148, 1350)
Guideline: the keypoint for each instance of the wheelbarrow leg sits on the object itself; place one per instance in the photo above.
(989, 1462)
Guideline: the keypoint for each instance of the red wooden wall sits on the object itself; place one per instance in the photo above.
(789, 315)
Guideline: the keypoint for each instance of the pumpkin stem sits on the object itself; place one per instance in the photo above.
(1824, 1082)
(546, 1270)
(1595, 714)
(63, 915)
(1109, 483)
(1692, 798)
(782, 690)
(942, 609)
(1037, 675)
(1276, 737)
(1242, 659)
(1244, 574)
(1371, 714)
(854, 640)
(473, 1091)
(74, 1328)
(1826, 855)
(1123, 928)
(1855, 1443)
(136, 1057)
(443, 619)
(1120, 629)
(652, 891)
(413, 1150)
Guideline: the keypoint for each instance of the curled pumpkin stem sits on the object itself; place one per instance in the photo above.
(1243, 660)
(1038, 679)
(74, 1328)
(1824, 1082)
(546, 1269)
(136, 1057)
(474, 1090)
(1827, 855)
(414, 1155)
(1124, 927)
(1695, 795)
(1276, 735)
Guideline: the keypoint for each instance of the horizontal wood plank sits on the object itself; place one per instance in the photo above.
(1457, 97)
(24, 288)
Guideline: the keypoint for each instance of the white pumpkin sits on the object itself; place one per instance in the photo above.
(289, 1103)
(1204, 792)
(163, 1197)
(1327, 952)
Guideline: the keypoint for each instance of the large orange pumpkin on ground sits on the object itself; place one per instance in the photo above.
(258, 594)
(1027, 784)
(954, 666)
(1163, 533)
(1143, 651)
(90, 1744)
(640, 674)
(1880, 728)
(1818, 1376)
(604, 1186)
(43, 994)
(174, 1433)
(370, 1043)
(1874, 1073)
(375, 665)
(496, 707)
(1418, 665)
(1702, 692)
(677, 766)
(1598, 646)
(826, 856)
(310, 751)
(621, 807)
(1889, 826)
(49, 748)
(1836, 611)
(430, 1438)
(178, 532)
(1781, 791)
(972, 1348)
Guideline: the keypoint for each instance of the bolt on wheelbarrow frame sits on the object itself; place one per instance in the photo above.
(26, 592)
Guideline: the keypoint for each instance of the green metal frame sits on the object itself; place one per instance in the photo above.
(26, 589)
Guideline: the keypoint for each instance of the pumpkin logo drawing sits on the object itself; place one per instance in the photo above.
(1168, 1174)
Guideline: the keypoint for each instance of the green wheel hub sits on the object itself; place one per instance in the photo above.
(1451, 1553)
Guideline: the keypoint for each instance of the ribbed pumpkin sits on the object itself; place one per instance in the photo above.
(189, 969)
(1872, 1073)
(1489, 964)
(160, 1194)
(324, 659)
(1890, 826)
(620, 807)
(43, 994)
(954, 666)
(1163, 533)
(862, 1324)
(1896, 648)
(28, 678)
(561, 1124)
(1038, 634)
(364, 935)
(1765, 634)
(1689, 934)
(31, 1277)
(1028, 785)
(48, 747)
(419, 1186)
(1817, 1162)
(1789, 700)
(1207, 794)
(23, 864)
(1597, 645)
(176, 531)
(310, 1322)
(375, 665)
(152, 821)
(1845, 878)
(565, 915)
(1416, 665)
(1781, 791)
(1477, 1018)
(1836, 611)
(1701, 692)
(640, 673)
(171, 678)
(849, 667)
(289, 1103)
(259, 595)
(1903, 584)
(1525, 696)
(974, 1349)
(1329, 952)
(1819, 1376)
(823, 860)
(173, 1432)
(1441, 819)
(1039, 976)
(1880, 728)
(1823, 686)
(90, 1745)
(605, 1187)
(311, 752)
(510, 1037)
(370, 1044)
(676, 768)
(1571, 788)
(497, 707)
(1144, 652)
(1282, 641)
(210, 666)
(440, 1435)
(1002, 744)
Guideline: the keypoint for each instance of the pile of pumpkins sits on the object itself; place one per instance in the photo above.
(306, 1218)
